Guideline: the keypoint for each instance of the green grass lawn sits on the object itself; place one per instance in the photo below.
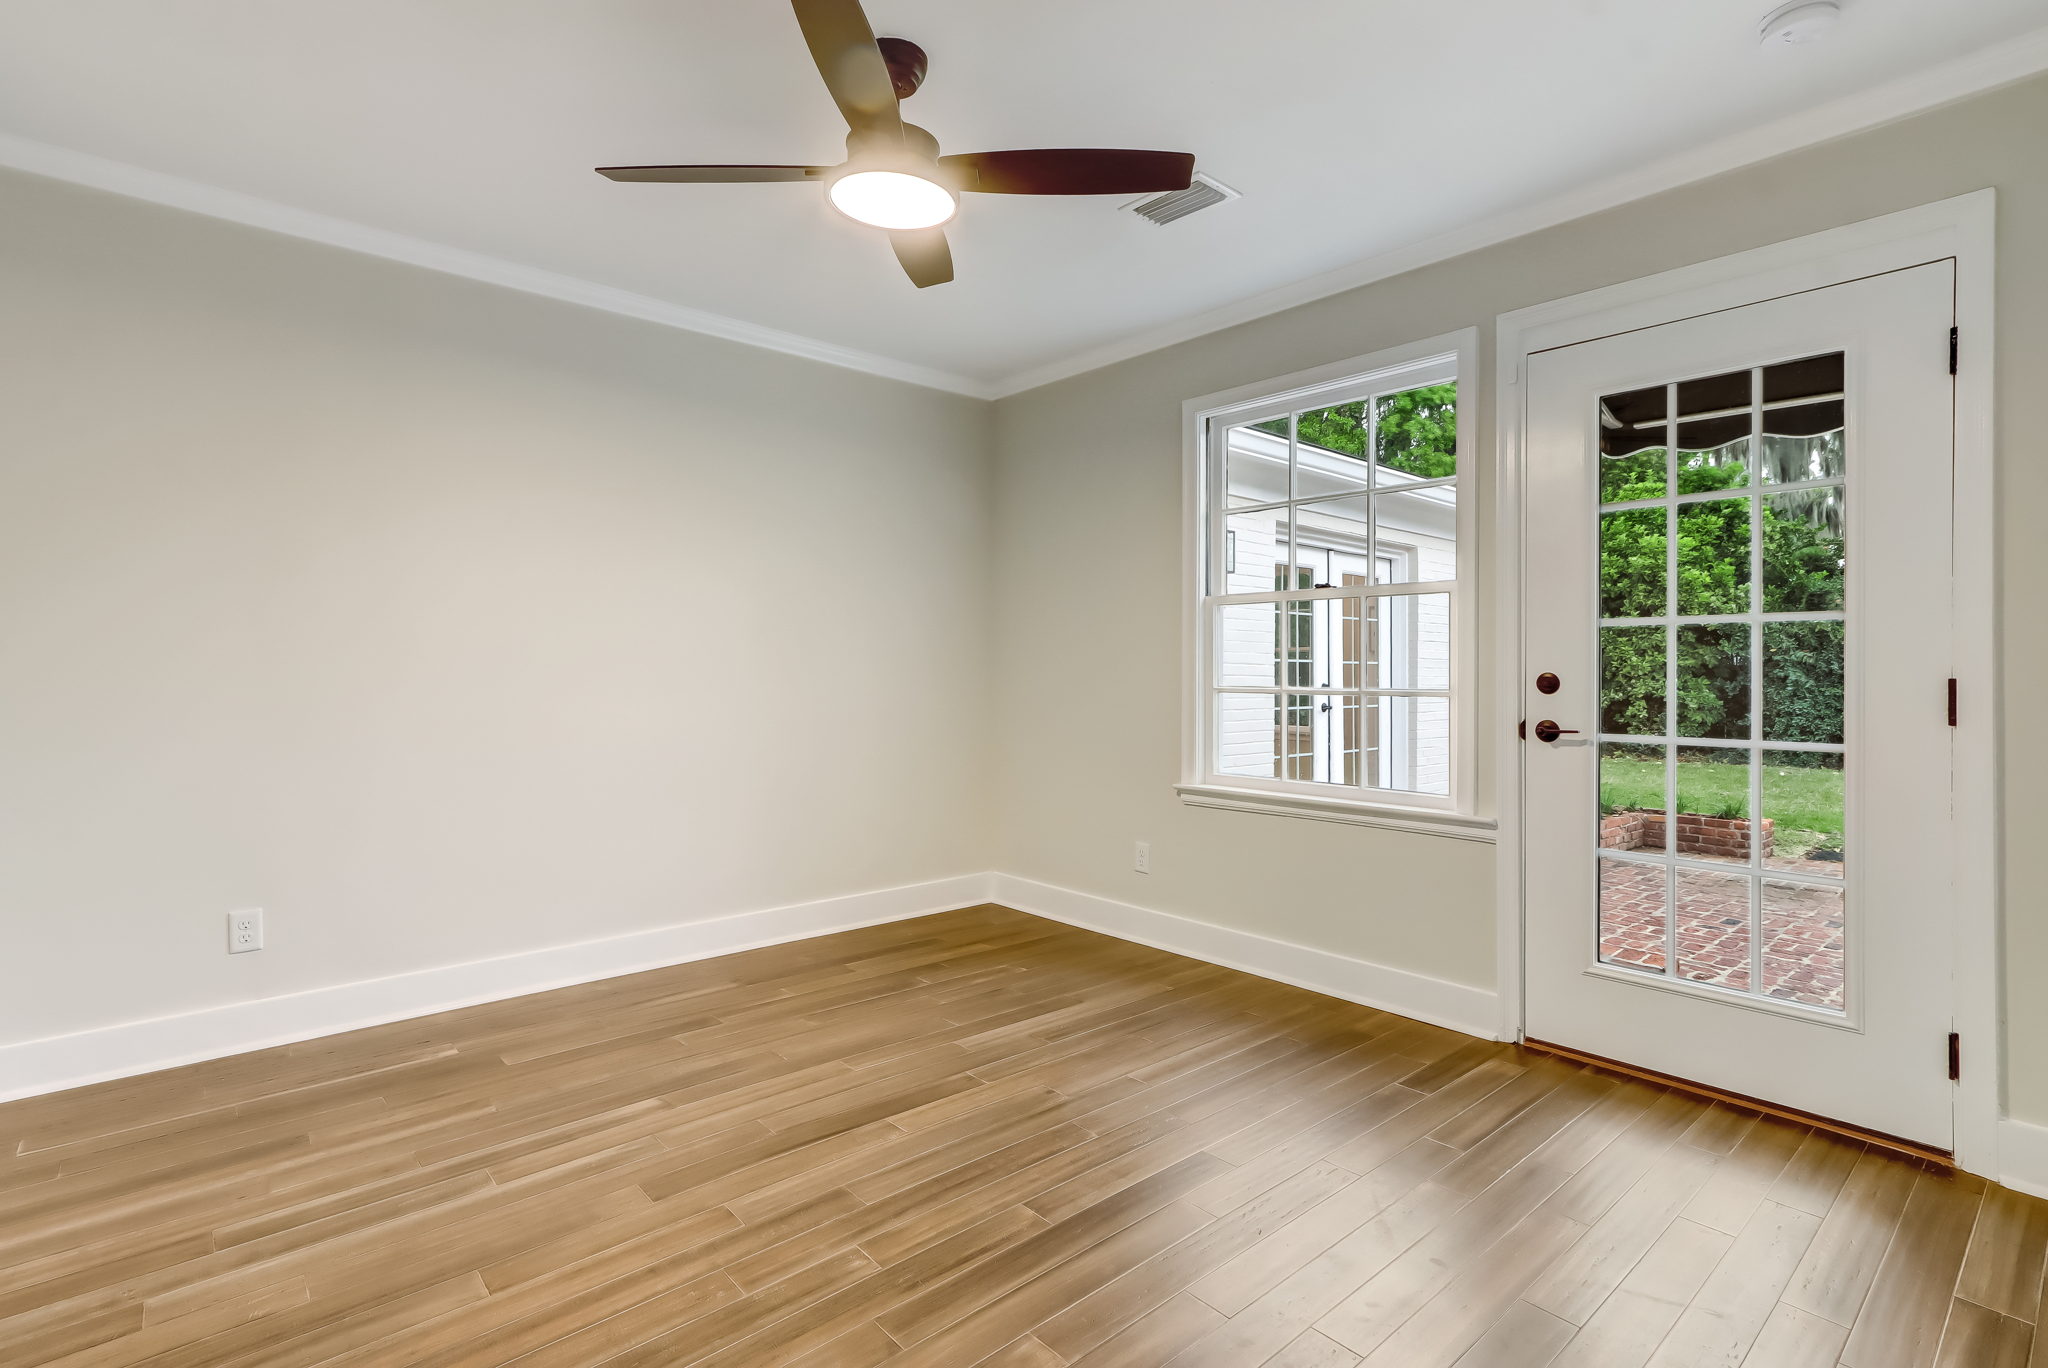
(1806, 804)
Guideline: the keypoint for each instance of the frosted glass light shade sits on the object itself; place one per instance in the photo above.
(892, 199)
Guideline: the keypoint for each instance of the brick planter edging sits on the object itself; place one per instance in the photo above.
(1725, 838)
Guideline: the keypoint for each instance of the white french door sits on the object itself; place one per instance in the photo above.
(1738, 585)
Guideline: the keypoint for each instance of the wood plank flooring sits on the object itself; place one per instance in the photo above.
(975, 1138)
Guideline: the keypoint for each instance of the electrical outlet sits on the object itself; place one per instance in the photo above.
(1142, 859)
(245, 931)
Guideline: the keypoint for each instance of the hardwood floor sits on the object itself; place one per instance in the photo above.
(976, 1138)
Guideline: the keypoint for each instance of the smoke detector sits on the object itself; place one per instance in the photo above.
(1802, 21)
(1203, 192)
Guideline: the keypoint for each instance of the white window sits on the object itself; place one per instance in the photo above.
(1331, 557)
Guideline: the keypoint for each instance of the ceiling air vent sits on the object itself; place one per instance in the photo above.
(1178, 204)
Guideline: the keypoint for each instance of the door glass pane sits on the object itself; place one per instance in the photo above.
(1632, 792)
(1713, 681)
(1803, 420)
(1634, 915)
(1688, 832)
(1713, 557)
(1330, 452)
(1812, 379)
(1633, 431)
(1803, 807)
(1632, 682)
(1711, 925)
(1788, 458)
(1416, 433)
(1713, 804)
(1417, 534)
(1803, 681)
(1632, 563)
(1819, 457)
(1803, 954)
(1255, 464)
(1805, 552)
(1715, 419)
(1703, 467)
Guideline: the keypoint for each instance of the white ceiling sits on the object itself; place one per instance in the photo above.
(1355, 128)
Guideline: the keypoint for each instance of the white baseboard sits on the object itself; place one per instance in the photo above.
(56, 1063)
(2023, 1156)
(1475, 1011)
(69, 1061)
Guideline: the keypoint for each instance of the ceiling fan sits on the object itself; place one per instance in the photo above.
(893, 176)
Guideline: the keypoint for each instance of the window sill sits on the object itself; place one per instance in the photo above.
(1427, 821)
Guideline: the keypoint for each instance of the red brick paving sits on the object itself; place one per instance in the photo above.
(1802, 928)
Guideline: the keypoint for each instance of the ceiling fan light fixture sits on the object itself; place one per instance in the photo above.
(897, 200)
(893, 177)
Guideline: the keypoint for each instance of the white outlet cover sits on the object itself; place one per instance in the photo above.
(245, 931)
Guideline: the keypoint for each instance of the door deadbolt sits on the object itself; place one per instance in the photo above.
(1548, 683)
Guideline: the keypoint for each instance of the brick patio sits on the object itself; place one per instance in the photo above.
(1802, 927)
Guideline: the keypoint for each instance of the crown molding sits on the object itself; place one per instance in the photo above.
(1986, 69)
(121, 178)
(1980, 71)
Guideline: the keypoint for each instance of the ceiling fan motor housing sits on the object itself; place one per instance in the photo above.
(907, 64)
(873, 149)
(893, 177)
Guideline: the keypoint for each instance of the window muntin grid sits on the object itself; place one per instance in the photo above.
(1723, 553)
(1355, 553)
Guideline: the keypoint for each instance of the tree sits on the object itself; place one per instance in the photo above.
(1802, 561)
(1417, 430)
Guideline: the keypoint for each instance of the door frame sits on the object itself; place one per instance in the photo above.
(1962, 229)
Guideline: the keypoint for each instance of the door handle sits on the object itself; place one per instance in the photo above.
(1547, 730)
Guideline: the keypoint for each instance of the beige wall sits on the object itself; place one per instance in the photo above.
(1088, 499)
(445, 622)
(442, 621)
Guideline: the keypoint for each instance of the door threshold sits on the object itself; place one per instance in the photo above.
(1912, 1149)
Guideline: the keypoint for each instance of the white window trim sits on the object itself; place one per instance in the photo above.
(1459, 815)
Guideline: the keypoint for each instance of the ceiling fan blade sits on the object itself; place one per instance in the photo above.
(843, 46)
(1071, 171)
(926, 258)
(711, 175)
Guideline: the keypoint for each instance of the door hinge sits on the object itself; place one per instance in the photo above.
(1954, 344)
(1951, 702)
(1955, 1057)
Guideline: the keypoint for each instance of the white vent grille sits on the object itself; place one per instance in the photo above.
(1202, 193)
